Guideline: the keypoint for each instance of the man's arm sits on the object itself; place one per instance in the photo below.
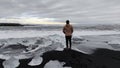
(63, 29)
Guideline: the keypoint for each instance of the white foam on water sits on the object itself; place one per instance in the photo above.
(35, 33)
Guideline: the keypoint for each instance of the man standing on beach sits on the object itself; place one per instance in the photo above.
(68, 30)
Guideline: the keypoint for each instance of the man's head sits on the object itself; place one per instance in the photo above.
(67, 21)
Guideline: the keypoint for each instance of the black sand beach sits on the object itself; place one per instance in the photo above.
(101, 58)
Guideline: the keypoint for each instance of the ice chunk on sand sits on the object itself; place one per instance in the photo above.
(60, 49)
(11, 63)
(57, 38)
(74, 48)
(67, 67)
(114, 42)
(37, 60)
(53, 64)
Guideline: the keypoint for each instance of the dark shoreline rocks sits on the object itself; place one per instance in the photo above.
(10, 24)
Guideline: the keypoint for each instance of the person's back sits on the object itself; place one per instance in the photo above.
(68, 30)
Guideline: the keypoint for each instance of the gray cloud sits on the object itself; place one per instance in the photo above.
(78, 11)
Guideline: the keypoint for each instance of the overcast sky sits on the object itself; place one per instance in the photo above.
(77, 11)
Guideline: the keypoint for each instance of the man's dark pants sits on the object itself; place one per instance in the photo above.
(68, 40)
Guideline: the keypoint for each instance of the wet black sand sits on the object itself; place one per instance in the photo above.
(101, 58)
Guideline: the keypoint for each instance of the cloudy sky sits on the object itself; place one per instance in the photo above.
(57, 11)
